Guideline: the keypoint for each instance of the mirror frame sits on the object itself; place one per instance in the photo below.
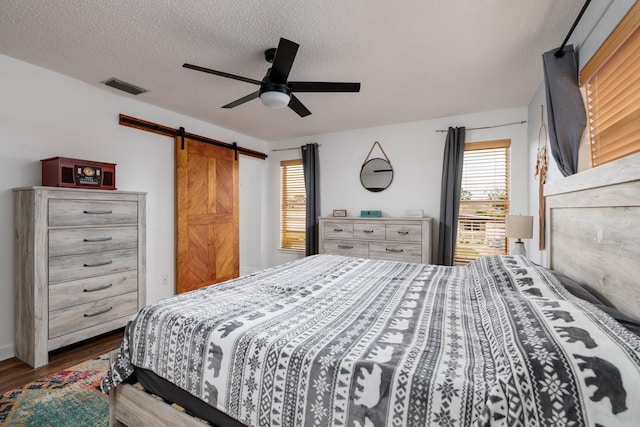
(376, 189)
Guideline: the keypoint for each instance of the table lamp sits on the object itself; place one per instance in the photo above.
(519, 227)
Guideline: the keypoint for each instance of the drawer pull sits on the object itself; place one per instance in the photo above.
(98, 312)
(403, 232)
(337, 230)
(393, 250)
(98, 288)
(345, 247)
(98, 239)
(98, 264)
(368, 231)
(107, 212)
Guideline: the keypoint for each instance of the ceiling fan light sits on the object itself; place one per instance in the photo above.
(275, 99)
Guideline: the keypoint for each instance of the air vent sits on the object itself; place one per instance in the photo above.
(124, 86)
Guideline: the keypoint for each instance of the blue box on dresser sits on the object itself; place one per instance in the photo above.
(370, 214)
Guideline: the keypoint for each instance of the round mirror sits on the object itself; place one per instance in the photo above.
(376, 174)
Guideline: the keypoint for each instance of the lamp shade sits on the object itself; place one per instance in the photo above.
(519, 226)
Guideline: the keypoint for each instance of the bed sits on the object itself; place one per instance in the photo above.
(331, 340)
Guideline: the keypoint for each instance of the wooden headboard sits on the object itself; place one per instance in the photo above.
(593, 231)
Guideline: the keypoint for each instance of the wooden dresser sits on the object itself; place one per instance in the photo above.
(79, 265)
(398, 239)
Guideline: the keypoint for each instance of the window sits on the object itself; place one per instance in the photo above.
(293, 205)
(484, 201)
(612, 82)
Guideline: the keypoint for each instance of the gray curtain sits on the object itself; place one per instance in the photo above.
(450, 195)
(312, 190)
(565, 108)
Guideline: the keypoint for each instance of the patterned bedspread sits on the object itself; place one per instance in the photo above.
(337, 341)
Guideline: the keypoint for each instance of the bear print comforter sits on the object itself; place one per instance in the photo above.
(337, 341)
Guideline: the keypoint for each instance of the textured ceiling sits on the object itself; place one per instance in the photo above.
(416, 59)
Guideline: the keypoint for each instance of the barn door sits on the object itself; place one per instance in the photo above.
(207, 215)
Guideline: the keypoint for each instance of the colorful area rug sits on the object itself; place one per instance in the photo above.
(68, 398)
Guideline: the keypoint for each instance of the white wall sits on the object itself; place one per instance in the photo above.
(253, 198)
(599, 20)
(44, 114)
(416, 153)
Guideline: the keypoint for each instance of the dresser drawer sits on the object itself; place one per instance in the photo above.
(68, 294)
(83, 316)
(404, 232)
(339, 230)
(73, 267)
(69, 241)
(347, 248)
(91, 212)
(395, 251)
(363, 230)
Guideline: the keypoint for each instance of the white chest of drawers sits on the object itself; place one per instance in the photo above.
(80, 265)
(399, 239)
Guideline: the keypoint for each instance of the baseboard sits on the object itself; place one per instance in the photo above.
(7, 352)
(244, 271)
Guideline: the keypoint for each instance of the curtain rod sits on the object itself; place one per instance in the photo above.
(488, 127)
(560, 52)
(292, 148)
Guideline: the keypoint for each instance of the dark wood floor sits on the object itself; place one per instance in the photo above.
(14, 373)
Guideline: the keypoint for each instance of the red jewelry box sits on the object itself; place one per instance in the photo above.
(66, 172)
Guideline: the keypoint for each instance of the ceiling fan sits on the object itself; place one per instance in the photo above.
(275, 91)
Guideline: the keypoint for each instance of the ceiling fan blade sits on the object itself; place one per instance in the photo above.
(242, 100)
(323, 87)
(298, 107)
(282, 62)
(221, 73)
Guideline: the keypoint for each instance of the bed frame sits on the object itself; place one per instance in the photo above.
(131, 407)
(594, 238)
(594, 231)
